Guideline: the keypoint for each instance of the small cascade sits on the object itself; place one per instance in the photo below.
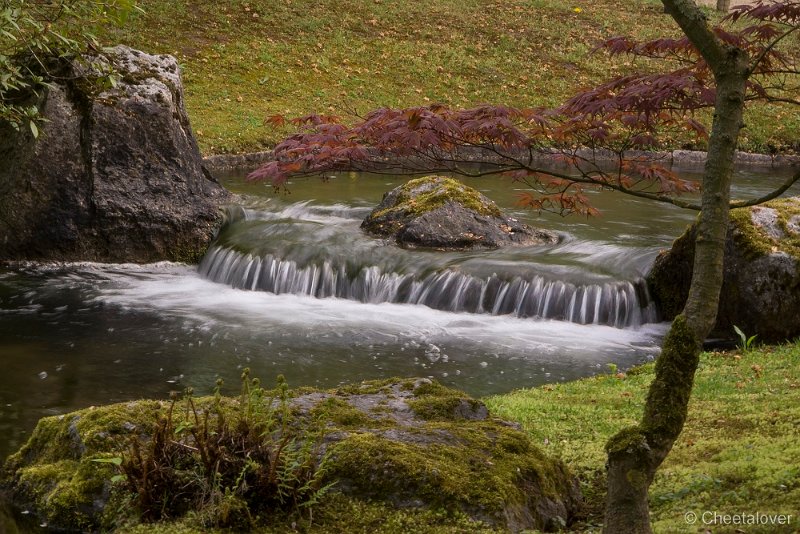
(619, 304)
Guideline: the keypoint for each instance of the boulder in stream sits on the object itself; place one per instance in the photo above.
(115, 175)
(442, 213)
(761, 284)
(397, 451)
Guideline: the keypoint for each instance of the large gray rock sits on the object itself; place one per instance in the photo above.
(116, 173)
(761, 287)
(442, 213)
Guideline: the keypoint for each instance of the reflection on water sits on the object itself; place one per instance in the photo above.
(82, 334)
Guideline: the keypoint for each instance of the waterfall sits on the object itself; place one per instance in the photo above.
(620, 304)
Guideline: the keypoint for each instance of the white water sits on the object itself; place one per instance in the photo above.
(180, 293)
(82, 334)
(619, 304)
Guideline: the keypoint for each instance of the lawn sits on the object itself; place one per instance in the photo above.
(739, 452)
(244, 61)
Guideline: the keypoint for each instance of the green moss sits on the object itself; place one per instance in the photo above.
(340, 514)
(626, 439)
(669, 280)
(55, 470)
(68, 490)
(669, 393)
(343, 514)
(486, 468)
(85, 432)
(434, 402)
(443, 408)
(428, 193)
(341, 413)
(452, 466)
(755, 242)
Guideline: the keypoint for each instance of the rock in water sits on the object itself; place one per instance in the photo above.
(116, 173)
(442, 213)
(761, 284)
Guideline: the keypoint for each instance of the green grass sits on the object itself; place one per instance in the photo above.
(739, 451)
(244, 61)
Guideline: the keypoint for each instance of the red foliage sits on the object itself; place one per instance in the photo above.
(619, 117)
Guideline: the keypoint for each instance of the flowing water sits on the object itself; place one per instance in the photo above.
(292, 286)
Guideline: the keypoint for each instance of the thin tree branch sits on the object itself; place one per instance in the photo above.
(694, 24)
(769, 196)
(767, 50)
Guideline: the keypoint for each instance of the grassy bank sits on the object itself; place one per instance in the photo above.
(739, 452)
(245, 60)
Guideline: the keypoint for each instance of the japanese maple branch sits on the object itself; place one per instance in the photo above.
(767, 49)
(769, 196)
(695, 25)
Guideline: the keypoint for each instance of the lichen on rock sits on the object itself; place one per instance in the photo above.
(442, 213)
(411, 448)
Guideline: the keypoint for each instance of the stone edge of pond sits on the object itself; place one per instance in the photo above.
(678, 158)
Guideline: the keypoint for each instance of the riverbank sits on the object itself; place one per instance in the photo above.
(681, 159)
(737, 457)
(739, 452)
(247, 60)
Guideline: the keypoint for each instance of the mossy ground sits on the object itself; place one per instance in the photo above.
(246, 60)
(739, 451)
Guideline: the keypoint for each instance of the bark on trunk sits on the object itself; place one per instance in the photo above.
(723, 5)
(635, 453)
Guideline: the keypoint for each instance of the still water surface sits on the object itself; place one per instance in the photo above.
(77, 335)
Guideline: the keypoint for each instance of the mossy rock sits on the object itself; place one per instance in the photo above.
(425, 456)
(442, 213)
(761, 281)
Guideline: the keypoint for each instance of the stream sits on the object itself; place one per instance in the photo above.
(292, 286)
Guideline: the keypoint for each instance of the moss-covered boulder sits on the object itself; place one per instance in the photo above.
(442, 213)
(409, 453)
(761, 287)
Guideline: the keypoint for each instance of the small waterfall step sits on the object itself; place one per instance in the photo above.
(620, 304)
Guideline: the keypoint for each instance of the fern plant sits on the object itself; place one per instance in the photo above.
(226, 464)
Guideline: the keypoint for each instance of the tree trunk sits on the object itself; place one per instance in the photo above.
(635, 453)
(723, 5)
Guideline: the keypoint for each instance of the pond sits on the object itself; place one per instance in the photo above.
(293, 287)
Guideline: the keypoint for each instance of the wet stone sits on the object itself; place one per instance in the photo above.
(442, 213)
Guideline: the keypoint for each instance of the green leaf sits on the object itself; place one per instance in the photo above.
(116, 460)
(34, 129)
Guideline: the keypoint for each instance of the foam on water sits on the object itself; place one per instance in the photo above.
(181, 293)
